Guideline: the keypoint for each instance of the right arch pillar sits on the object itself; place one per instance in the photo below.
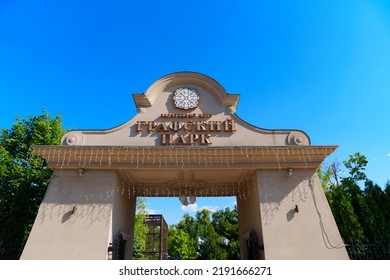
(291, 217)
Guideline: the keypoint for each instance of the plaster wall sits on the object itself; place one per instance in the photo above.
(123, 217)
(310, 233)
(85, 234)
(249, 218)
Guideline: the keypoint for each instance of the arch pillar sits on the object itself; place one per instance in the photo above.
(79, 216)
(249, 220)
(296, 220)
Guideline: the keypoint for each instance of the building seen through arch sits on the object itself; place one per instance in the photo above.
(185, 141)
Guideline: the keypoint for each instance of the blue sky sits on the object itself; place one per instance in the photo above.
(319, 66)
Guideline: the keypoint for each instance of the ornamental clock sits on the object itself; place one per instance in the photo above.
(186, 98)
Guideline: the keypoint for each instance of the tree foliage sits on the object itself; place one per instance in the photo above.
(225, 223)
(181, 245)
(140, 230)
(208, 236)
(23, 178)
(360, 207)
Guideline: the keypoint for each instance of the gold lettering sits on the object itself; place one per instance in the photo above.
(229, 126)
(215, 126)
(139, 126)
(193, 137)
(162, 128)
(204, 139)
(188, 126)
(166, 139)
(196, 131)
(151, 126)
(200, 126)
(175, 126)
(233, 124)
(181, 140)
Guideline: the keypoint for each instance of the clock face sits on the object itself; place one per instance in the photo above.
(186, 98)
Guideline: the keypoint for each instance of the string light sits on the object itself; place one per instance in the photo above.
(225, 158)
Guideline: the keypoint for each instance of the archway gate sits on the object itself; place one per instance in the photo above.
(185, 140)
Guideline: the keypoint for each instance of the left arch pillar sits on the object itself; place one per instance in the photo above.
(79, 216)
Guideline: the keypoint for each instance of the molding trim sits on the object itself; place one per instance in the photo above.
(147, 99)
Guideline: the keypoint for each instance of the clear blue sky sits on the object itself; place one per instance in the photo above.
(320, 66)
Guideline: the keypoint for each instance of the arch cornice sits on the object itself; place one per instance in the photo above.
(224, 99)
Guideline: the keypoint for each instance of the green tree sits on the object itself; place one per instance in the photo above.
(212, 246)
(378, 231)
(180, 244)
(140, 230)
(190, 226)
(387, 188)
(24, 178)
(225, 223)
(341, 204)
(362, 212)
(207, 236)
(356, 165)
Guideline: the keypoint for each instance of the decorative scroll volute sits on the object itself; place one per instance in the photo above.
(73, 138)
(297, 138)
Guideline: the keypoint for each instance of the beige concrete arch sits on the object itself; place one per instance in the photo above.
(202, 150)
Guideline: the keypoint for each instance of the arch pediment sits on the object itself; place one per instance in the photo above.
(186, 109)
(149, 97)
